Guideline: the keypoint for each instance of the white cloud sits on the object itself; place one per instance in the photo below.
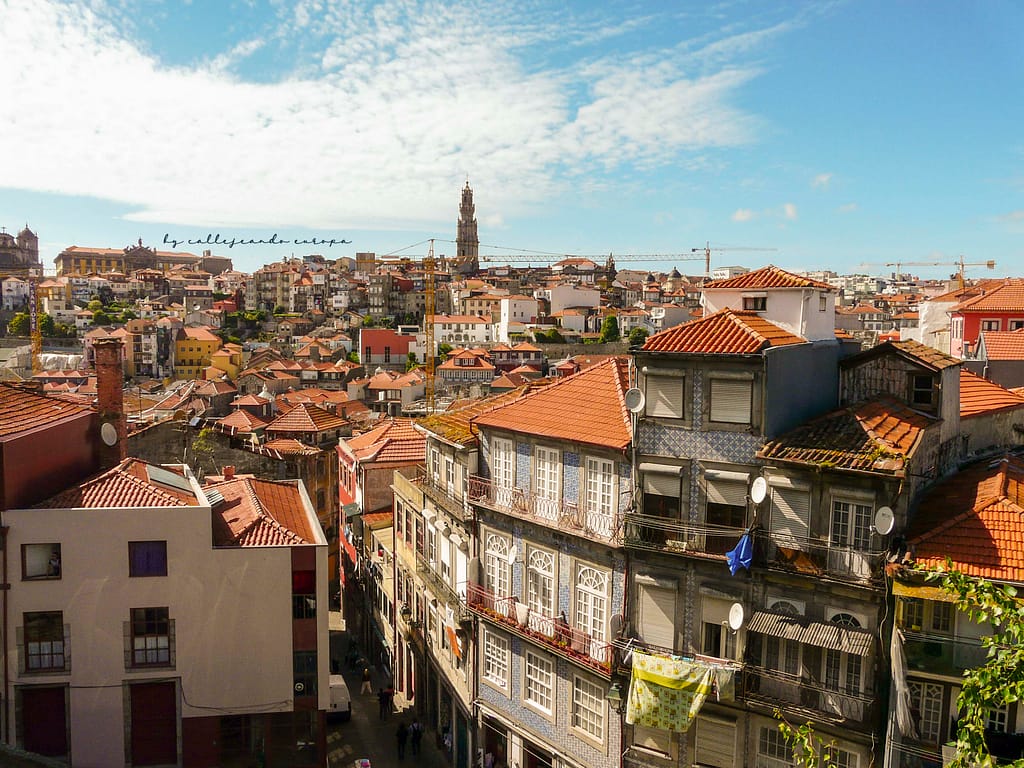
(743, 214)
(1013, 217)
(789, 211)
(847, 208)
(821, 181)
(386, 104)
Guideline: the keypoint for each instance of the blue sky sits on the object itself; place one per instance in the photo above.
(829, 134)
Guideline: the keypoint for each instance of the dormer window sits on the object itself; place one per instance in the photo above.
(755, 302)
(922, 391)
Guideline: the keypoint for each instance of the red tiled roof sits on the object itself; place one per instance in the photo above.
(306, 417)
(587, 407)
(1004, 345)
(241, 421)
(23, 411)
(922, 354)
(290, 446)
(878, 435)
(394, 441)
(455, 424)
(979, 396)
(726, 332)
(767, 277)
(250, 400)
(130, 484)
(976, 518)
(258, 513)
(1007, 296)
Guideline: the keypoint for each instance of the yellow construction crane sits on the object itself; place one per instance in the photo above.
(707, 249)
(547, 259)
(960, 263)
(36, 333)
(429, 308)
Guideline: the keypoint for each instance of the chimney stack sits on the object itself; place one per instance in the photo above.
(110, 402)
(314, 352)
(229, 472)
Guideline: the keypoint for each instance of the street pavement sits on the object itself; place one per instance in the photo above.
(366, 735)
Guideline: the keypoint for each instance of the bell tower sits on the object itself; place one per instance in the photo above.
(467, 244)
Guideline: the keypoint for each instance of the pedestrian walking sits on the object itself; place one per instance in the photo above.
(416, 735)
(400, 736)
(367, 686)
(382, 699)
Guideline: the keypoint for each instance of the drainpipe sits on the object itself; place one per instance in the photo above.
(5, 586)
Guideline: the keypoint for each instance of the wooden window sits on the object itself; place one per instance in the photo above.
(151, 637)
(40, 561)
(44, 643)
(588, 707)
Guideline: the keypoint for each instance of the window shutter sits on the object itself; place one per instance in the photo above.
(662, 485)
(731, 491)
(791, 510)
(657, 615)
(730, 400)
(654, 739)
(665, 396)
(716, 742)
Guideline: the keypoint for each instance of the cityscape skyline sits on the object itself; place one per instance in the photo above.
(817, 137)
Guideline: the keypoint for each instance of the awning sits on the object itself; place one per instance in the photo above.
(831, 636)
(922, 591)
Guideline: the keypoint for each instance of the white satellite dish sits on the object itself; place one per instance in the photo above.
(884, 521)
(108, 433)
(758, 490)
(634, 400)
(736, 616)
(511, 556)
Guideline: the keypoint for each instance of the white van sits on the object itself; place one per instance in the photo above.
(341, 702)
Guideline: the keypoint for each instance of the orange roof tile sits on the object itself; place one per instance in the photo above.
(260, 513)
(1004, 345)
(1007, 296)
(289, 446)
(394, 441)
(878, 435)
(767, 277)
(455, 424)
(23, 411)
(132, 483)
(976, 518)
(979, 396)
(587, 407)
(306, 417)
(241, 421)
(726, 332)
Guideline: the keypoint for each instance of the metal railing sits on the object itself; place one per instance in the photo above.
(434, 490)
(799, 694)
(938, 654)
(817, 557)
(441, 589)
(662, 534)
(555, 513)
(571, 643)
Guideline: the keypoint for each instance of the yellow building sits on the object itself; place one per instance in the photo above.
(227, 359)
(193, 352)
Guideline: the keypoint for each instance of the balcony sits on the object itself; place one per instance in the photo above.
(816, 557)
(942, 654)
(662, 534)
(441, 589)
(434, 490)
(807, 699)
(554, 513)
(568, 642)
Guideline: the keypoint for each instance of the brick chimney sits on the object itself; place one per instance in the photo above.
(110, 401)
(229, 472)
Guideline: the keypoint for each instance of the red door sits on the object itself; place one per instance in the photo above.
(44, 723)
(154, 724)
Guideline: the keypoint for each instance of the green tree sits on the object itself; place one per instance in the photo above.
(411, 361)
(368, 321)
(352, 357)
(637, 336)
(127, 315)
(47, 326)
(280, 309)
(20, 325)
(443, 349)
(204, 446)
(99, 317)
(610, 329)
(95, 305)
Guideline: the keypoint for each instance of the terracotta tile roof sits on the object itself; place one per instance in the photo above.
(306, 417)
(726, 332)
(200, 334)
(241, 421)
(979, 396)
(288, 446)
(455, 424)
(929, 357)
(767, 277)
(976, 518)
(878, 435)
(23, 411)
(587, 407)
(378, 520)
(250, 400)
(1004, 345)
(394, 441)
(260, 513)
(132, 483)
(1007, 296)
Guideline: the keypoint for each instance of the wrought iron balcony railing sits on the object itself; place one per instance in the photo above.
(571, 643)
(555, 513)
(438, 493)
(807, 698)
(652, 532)
(441, 588)
(817, 557)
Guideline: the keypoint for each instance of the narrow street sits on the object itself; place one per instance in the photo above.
(366, 735)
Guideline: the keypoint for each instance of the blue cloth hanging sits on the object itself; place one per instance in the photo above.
(741, 555)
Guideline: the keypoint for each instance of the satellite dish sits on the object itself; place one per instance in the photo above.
(884, 521)
(300, 687)
(108, 433)
(758, 490)
(511, 556)
(736, 616)
(634, 400)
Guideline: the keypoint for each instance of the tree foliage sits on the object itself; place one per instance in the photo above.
(637, 336)
(610, 329)
(19, 325)
(410, 361)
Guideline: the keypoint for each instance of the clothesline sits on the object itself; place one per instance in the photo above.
(630, 644)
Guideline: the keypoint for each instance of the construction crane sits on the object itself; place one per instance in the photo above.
(35, 331)
(429, 307)
(547, 259)
(960, 263)
(707, 249)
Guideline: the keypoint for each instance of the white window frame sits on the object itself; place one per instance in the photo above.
(772, 749)
(588, 716)
(591, 598)
(927, 697)
(497, 569)
(541, 587)
(850, 523)
(548, 473)
(539, 682)
(503, 458)
(599, 494)
(496, 659)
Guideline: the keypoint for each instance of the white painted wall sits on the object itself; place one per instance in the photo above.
(797, 310)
